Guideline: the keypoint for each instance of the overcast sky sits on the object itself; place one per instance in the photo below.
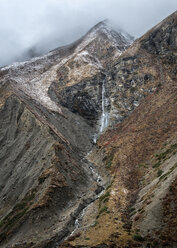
(52, 23)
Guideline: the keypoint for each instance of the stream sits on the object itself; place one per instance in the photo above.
(100, 187)
(66, 233)
(104, 121)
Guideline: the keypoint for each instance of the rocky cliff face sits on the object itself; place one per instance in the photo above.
(53, 108)
(79, 85)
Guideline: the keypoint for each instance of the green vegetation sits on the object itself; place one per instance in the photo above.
(102, 201)
(109, 186)
(132, 209)
(103, 210)
(109, 161)
(156, 165)
(141, 210)
(104, 196)
(141, 165)
(87, 238)
(138, 237)
(161, 157)
(133, 213)
(109, 165)
(159, 173)
(96, 223)
(165, 176)
(105, 200)
(142, 181)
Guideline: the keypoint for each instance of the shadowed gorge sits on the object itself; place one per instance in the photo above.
(88, 143)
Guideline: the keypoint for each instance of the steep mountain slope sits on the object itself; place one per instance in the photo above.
(46, 182)
(123, 193)
(138, 209)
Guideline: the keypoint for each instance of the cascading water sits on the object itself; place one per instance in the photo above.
(104, 116)
(104, 120)
(99, 180)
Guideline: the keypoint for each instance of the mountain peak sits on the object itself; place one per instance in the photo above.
(112, 31)
(101, 24)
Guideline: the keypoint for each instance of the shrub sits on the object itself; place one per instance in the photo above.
(106, 195)
(159, 173)
(96, 223)
(103, 209)
(138, 237)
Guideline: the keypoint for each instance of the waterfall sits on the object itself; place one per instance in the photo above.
(104, 120)
(104, 116)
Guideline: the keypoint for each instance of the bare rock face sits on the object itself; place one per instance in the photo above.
(53, 108)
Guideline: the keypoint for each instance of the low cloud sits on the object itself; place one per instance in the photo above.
(47, 24)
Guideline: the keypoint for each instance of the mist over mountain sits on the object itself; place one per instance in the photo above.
(45, 25)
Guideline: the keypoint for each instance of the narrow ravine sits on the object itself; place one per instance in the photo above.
(99, 191)
(71, 227)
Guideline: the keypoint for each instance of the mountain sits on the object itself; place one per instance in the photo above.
(46, 181)
(88, 143)
(140, 153)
